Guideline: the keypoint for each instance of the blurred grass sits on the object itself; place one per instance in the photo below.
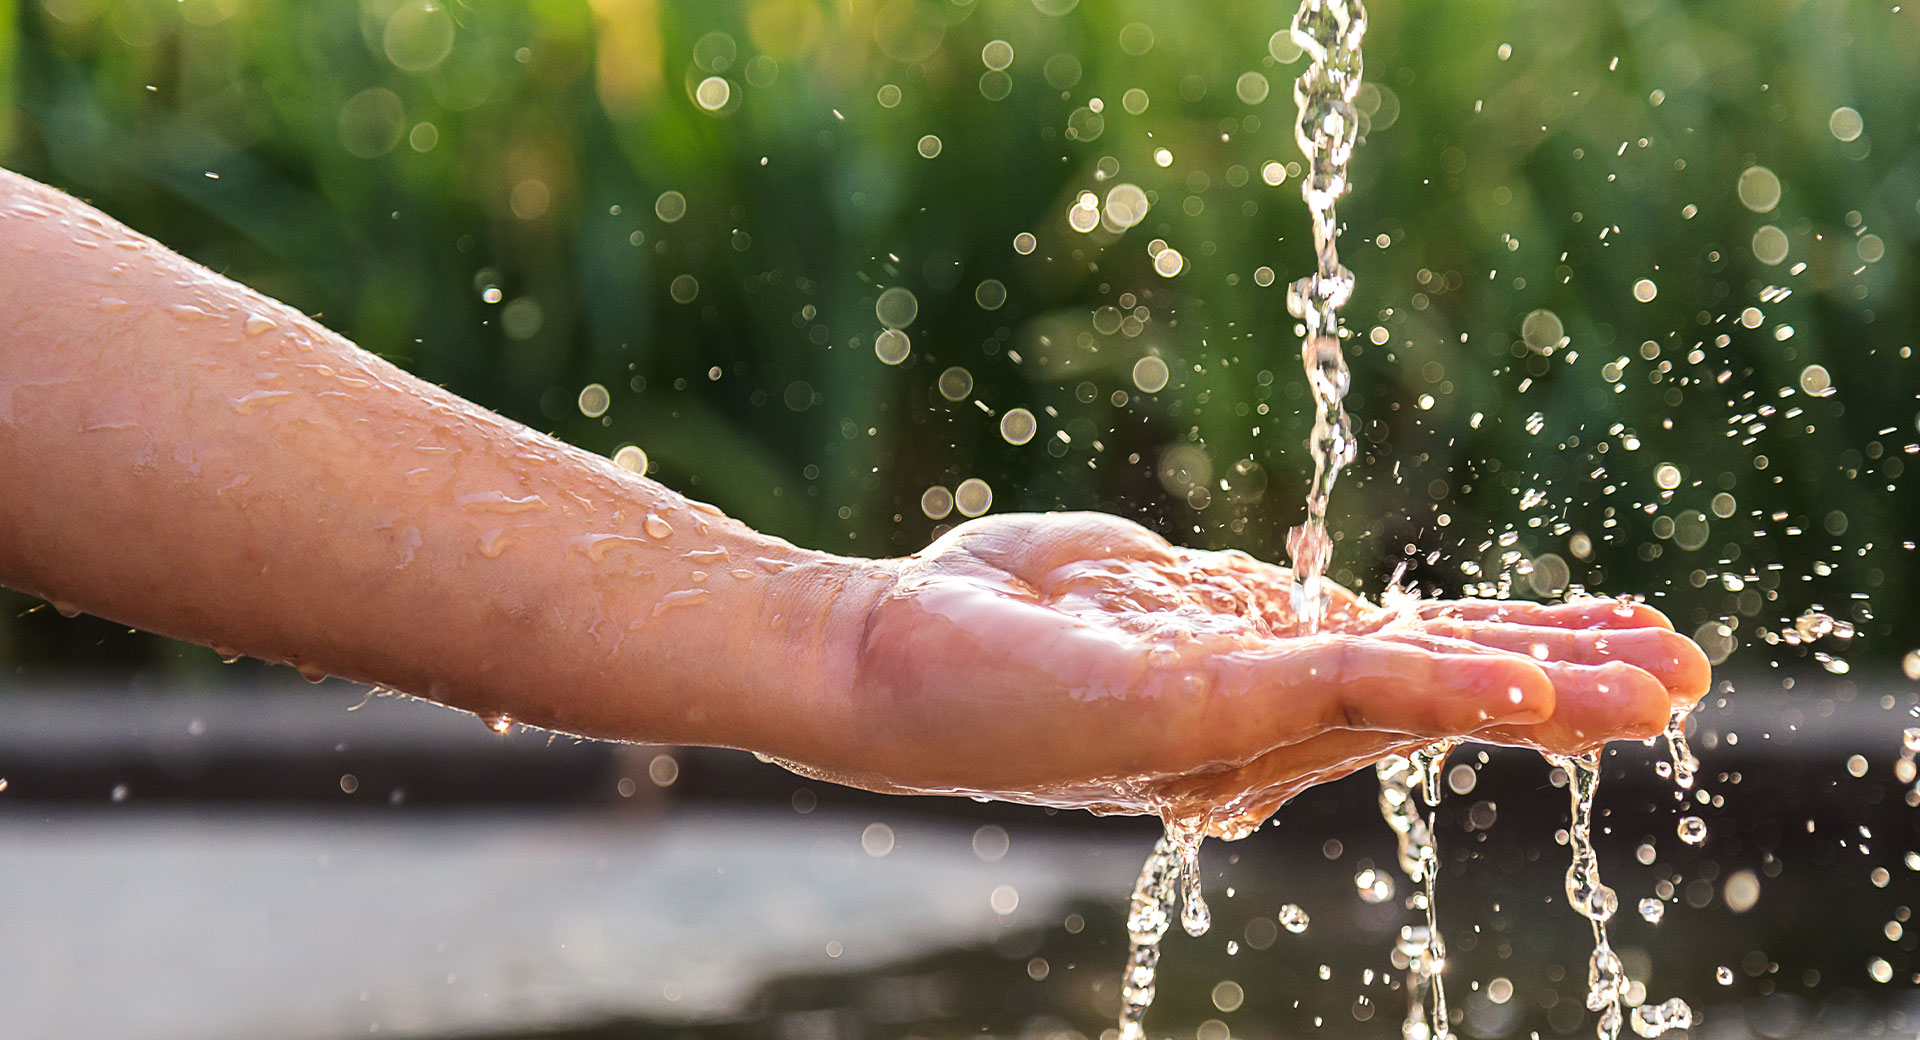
(385, 164)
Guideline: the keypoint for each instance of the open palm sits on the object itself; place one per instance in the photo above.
(1077, 659)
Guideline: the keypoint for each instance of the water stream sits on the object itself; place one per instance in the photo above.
(1607, 982)
(1329, 33)
(1420, 946)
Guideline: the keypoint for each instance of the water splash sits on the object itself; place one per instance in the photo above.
(1651, 1020)
(1329, 32)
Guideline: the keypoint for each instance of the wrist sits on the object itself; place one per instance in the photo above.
(799, 649)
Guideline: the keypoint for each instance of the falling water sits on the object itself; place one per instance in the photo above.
(1171, 873)
(1148, 915)
(1684, 762)
(1606, 979)
(1328, 32)
(1421, 946)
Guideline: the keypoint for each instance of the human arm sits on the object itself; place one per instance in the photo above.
(187, 456)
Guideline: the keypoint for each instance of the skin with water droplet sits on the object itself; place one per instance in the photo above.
(495, 542)
(258, 400)
(501, 502)
(679, 598)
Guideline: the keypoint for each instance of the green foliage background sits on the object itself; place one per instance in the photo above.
(385, 164)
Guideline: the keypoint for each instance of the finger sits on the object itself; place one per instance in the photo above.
(1672, 658)
(1583, 613)
(1368, 683)
(1594, 703)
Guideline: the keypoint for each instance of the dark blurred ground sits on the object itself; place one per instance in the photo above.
(278, 864)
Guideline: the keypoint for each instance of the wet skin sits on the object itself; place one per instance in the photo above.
(187, 456)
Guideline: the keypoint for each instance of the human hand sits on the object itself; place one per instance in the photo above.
(1077, 659)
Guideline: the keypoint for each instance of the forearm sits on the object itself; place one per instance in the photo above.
(184, 455)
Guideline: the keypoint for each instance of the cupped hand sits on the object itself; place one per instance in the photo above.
(1077, 659)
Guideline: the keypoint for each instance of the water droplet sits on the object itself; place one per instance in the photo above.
(1845, 124)
(1770, 245)
(1018, 426)
(500, 502)
(956, 383)
(594, 400)
(499, 723)
(936, 503)
(257, 324)
(1293, 919)
(657, 527)
(248, 404)
(495, 542)
(973, 497)
(1813, 625)
(670, 206)
(892, 346)
(1150, 374)
(1126, 206)
(679, 598)
(1374, 886)
(1653, 1020)
(896, 308)
(713, 93)
(1693, 830)
(1723, 975)
(1759, 189)
(1652, 910)
(631, 458)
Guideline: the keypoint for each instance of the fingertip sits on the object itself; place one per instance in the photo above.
(1691, 674)
(1642, 703)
